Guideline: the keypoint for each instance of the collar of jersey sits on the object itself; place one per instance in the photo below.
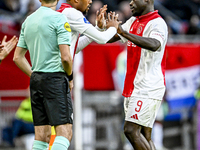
(65, 5)
(147, 15)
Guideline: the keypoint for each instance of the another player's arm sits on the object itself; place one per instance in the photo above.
(21, 61)
(143, 42)
(92, 34)
(114, 39)
(104, 37)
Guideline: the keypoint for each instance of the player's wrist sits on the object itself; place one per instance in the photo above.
(70, 77)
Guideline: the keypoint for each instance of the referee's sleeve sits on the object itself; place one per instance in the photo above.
(22, 42)
(63, 30)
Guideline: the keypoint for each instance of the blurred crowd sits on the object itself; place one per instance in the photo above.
(182, 16)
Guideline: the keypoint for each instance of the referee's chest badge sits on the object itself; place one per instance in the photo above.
(67, 27)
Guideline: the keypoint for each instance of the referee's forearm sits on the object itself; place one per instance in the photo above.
(67, 65)
(66, 58)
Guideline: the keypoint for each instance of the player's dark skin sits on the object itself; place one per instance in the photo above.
(139, 136)
(139, 8)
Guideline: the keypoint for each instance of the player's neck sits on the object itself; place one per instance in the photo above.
(50, 5)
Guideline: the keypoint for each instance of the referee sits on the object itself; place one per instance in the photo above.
(46, 34)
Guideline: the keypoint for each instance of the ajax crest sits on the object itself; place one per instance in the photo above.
(139, 30)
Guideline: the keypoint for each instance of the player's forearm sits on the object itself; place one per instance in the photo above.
(100, 37)
(114, 39)
(146, 43)
(85, 41)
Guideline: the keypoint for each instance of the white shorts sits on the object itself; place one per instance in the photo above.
(142, 111)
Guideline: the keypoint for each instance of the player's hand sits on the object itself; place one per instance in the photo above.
(1, 48)
(112, 20)
(71, 85)
(8, 46)
(100, 17)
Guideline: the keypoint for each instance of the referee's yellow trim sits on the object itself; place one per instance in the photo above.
(67, 27)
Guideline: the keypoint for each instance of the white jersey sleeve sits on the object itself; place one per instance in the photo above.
(158, 31)
(92, 34)
(77, 20)
(100, 37)
(79, 23)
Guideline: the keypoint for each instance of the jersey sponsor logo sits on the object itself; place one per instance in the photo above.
(67, 27)
(129, 43)
(157, 34)
(135, 117)
(86, 21)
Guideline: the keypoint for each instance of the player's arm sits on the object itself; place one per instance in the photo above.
(114, 39)
(143, 42)
(104, 37)
(93, 34)
(21, 61)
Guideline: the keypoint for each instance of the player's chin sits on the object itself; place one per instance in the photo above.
(85, 12)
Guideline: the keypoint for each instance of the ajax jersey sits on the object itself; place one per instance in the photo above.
(145, 69)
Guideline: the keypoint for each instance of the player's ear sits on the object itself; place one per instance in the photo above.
(76, 1)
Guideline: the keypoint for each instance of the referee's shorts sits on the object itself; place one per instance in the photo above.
(50, 99)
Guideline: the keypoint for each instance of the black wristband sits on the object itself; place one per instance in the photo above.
(70, 77)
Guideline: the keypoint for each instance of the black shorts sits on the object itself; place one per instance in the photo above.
(50, 99)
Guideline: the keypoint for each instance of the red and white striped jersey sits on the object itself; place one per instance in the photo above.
(145, 69)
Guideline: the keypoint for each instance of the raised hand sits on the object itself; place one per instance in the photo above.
(100, 17)
(7, 46)
(112, 20)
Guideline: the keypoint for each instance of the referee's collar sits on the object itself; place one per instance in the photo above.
(155, 12)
